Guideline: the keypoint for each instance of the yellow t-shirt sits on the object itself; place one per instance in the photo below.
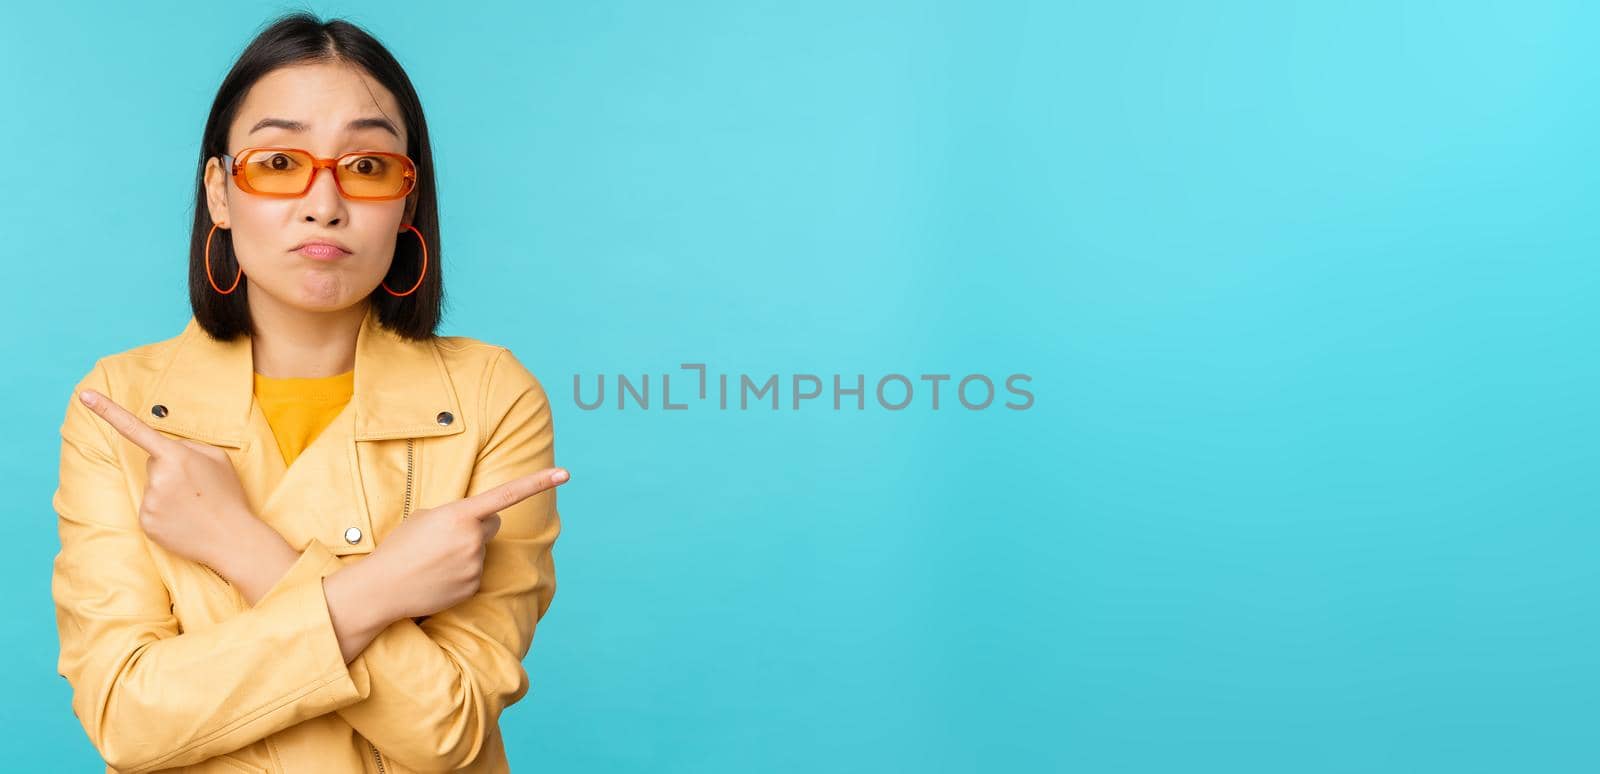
(298, 408)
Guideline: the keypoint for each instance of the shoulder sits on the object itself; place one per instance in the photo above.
(491, 371)
(129, 372)
(126, 377)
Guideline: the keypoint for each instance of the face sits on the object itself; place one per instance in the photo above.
(323, 98)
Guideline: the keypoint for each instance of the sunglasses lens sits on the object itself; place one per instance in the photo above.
(373, 175)
(277, 171)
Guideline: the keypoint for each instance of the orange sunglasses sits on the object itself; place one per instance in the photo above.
(287, 173)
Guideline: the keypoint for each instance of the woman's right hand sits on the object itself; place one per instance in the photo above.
(434, 559)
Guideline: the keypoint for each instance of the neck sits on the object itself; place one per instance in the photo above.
(293, 342)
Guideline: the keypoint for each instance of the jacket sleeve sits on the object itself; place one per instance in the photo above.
(438, 688)
(150, 695)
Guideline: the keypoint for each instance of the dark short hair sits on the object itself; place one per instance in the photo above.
(299, 38)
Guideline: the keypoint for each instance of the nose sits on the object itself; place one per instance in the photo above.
(323, 204)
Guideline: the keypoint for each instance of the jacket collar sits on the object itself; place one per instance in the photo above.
(208, 387)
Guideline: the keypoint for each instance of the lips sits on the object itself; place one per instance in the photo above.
(322, 248)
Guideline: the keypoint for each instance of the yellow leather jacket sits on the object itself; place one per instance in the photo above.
(170, 669)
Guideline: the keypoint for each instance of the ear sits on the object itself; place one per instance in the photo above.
(411, 210)
(216, 180)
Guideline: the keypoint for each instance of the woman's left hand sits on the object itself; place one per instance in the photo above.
(193, 503)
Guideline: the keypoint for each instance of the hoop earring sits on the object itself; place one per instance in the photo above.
(424, 265)
(208, 265)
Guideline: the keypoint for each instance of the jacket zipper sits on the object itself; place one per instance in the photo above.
(405, 510)
(410, 457)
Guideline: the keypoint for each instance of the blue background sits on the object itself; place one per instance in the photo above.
(1307, 292)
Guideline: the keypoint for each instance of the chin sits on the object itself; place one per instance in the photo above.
(318, 292)
(324, 305)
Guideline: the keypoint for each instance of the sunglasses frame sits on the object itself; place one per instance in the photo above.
(235, 165)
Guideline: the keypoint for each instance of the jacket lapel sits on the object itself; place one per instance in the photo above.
(400, 388)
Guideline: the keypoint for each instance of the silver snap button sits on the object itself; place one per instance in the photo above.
(159, 410)
(445, 418)
(352, 535)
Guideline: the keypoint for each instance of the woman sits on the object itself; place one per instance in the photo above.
(249, 579)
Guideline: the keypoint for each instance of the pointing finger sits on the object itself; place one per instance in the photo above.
(487, 503)
(143, 435)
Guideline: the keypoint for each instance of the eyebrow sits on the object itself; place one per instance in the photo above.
(356, 125)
